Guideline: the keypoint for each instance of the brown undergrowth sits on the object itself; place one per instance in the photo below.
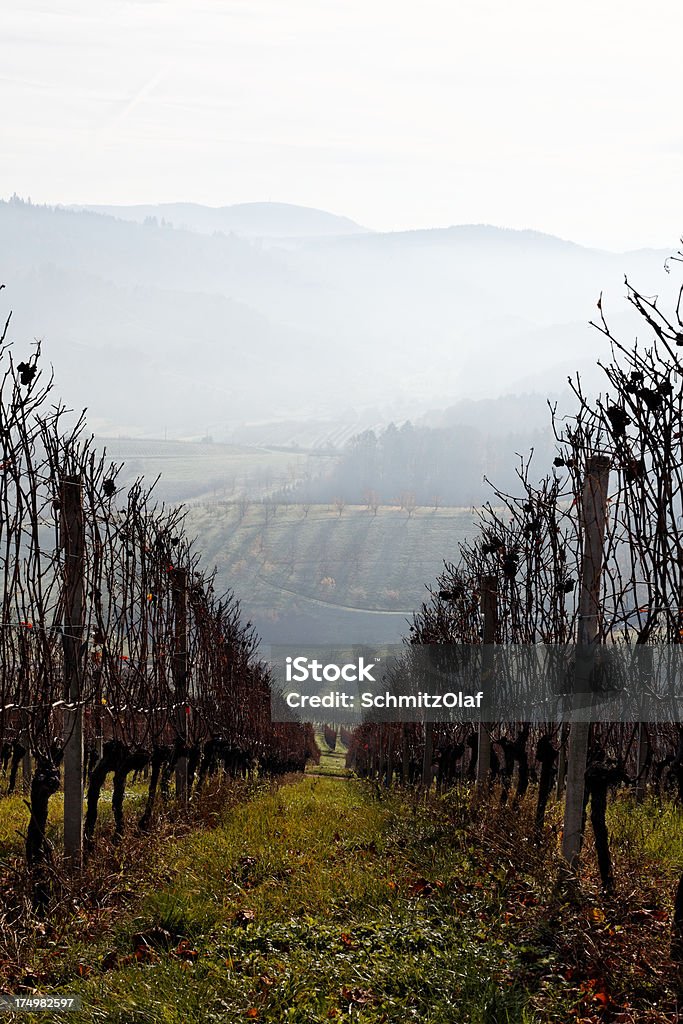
(39, 948)
(612, 950)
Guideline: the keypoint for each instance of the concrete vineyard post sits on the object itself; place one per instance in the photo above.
(26, 765)
(562, 761)
(427, 759)
(405, 766)
(643, 753)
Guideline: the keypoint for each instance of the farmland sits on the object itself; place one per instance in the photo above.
(301, 571)
(309, 572)
(201, 469)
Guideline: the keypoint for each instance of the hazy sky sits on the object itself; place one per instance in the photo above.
(566, 118)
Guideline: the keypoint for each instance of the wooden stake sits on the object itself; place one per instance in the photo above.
(594, 507)
(489, 600)
(179, 590)
(73, 547)
(427, 759)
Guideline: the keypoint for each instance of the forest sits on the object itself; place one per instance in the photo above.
(422, 465)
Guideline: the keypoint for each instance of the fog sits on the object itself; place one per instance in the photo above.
(273, 323)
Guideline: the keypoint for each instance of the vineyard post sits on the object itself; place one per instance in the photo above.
(405, 754)
(562, 761)
(390, 760)
(594, 508)
(643, 753)
(24, 733)
(489, 598)
(427, 759)
(73, 547)
(179, 589)
(26, 767)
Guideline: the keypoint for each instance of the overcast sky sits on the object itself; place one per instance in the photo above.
(565, 118)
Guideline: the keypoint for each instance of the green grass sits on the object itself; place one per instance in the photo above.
(329, 899)
(332, 762)
(652, 830)
(340, 929)
(14, 815)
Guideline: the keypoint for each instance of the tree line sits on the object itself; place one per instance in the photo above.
(411, 465)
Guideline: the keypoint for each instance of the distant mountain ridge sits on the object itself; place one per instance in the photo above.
(157, 329)
(251, 220)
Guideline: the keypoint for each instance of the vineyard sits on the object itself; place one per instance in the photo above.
(135, 704)
(590, 556)
(306, 571)
(117, 655)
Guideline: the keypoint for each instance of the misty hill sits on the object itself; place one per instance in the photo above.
(436, 465)
(157, 327)
(253, 220)
(189, 471)
(308, 575)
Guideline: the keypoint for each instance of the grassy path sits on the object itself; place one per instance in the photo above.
(328, 900)
(313, 903)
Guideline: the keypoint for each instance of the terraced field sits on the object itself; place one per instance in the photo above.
(308, 574)
(195, 470)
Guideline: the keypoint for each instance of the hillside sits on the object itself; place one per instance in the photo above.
(252, 220)
(153, 326)
(211, 471)
(306, 574)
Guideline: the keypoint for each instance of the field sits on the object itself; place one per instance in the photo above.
(304, 573)
(308, 574)
(213, 471)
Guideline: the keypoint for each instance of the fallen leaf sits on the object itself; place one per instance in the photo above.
(109, 960)
(359, 996)
(184, 951)
(423, 887)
